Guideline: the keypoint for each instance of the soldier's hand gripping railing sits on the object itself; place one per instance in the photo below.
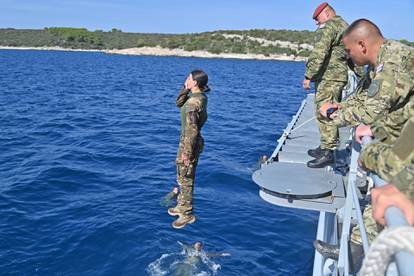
(394, 218)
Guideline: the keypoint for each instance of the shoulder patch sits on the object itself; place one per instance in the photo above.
(379, 68)
(374, 87)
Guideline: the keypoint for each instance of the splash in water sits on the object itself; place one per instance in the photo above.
(187, 262)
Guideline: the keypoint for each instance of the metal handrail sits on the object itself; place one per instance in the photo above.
(394, 217)
(351, 205)
(287, 130)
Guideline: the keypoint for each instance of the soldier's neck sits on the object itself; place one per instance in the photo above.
(195, 90)
(376, 51)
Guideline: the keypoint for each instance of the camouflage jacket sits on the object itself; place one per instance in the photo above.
(381, 105)
(193, 116)
(345, 117)
(328, 59)
(387, 160)
(404, 180)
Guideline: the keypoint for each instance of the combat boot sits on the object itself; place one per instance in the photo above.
(329, 251)
(325, 159)
(175, 211)
(183, 220)
(315, 153)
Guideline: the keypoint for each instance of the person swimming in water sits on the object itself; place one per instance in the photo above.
(197, 249)
(194, 257)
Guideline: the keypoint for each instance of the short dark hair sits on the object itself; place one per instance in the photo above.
(201, 78)
(363, 23)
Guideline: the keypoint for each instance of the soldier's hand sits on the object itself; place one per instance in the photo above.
(186, 83)
(387, 196)
(324, 108)
(361, 131)
(306, 84)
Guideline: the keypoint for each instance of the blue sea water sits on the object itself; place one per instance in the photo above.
(87, 150)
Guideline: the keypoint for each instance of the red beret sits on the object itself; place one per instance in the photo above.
(319, 9)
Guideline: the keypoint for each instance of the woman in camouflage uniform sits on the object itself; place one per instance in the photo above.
(192, 102)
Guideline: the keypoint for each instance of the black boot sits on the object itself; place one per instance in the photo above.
(315, 153)
(325, 159)
(328, 251)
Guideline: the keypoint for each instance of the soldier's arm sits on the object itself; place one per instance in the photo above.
(216, 255)
(345, 115)
(191, 129)
(404, 181)
(404, 148)
(380, 158)
(182, 97)
(383, 92)
(385, 128)
(320, 52)
(388, 160)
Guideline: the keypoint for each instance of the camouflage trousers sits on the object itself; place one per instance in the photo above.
(186, 176)
(371, 227)
(327, 92)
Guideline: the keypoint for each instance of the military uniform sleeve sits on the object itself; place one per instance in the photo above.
(320, 52)
(383, 92)
(379, 158)
(182, 97)
(191, 129)
(404, 181)
(387, 160)
(390, 127)
(345, 115)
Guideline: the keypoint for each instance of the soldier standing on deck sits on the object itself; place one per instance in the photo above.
(385, 105)
(192, 102)
(327, 67)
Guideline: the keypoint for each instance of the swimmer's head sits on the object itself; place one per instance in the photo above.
(198, 246)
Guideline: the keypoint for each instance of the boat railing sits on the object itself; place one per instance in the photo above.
(287, 131)
(393, 216)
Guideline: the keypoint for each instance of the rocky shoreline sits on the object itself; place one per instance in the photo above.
(158, 51)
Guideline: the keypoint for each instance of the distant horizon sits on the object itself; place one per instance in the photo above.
(186, 17)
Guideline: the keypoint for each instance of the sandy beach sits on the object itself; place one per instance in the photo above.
(158, 51)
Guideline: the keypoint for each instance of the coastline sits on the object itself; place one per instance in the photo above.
(54, 48)
(158, 51)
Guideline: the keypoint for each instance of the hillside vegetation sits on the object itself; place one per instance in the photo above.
(288, 42)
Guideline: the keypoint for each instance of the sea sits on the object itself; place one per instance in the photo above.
(87, 153)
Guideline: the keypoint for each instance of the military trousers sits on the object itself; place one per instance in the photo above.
(186, 175)
(372, 228)
(327, 92)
